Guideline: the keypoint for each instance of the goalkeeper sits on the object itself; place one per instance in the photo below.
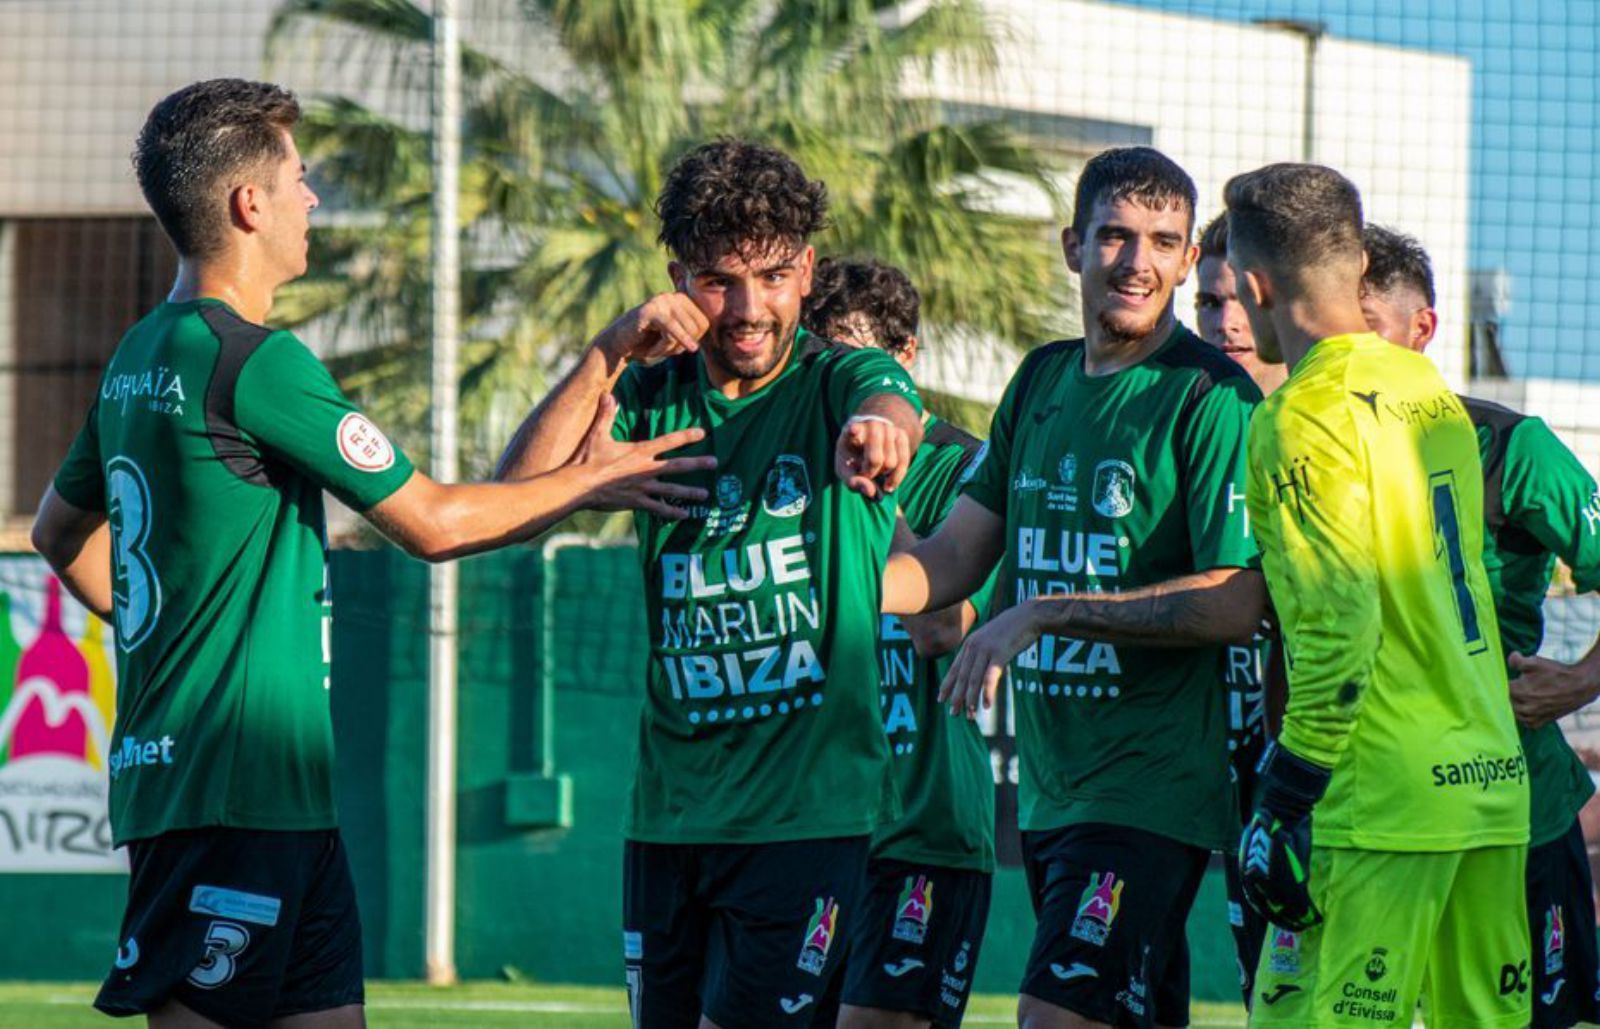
(1367, 500)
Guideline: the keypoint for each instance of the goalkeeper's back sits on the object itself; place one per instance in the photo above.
(1366, 494)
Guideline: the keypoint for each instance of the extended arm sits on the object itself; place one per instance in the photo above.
(934, 633)
(666, 324)
(875, 449)
(950, 565)
(437, 522)
(77, 546)
(1221, 605)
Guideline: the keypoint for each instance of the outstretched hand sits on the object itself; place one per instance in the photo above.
(975, 676)
(633, 475)
(872, 455)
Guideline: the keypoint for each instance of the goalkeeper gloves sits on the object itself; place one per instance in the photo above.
(1275, 850)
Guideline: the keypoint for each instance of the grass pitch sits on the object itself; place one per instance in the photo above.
(405, 1005)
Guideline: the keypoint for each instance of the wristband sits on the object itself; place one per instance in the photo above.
(868, 418)
(1291, 785)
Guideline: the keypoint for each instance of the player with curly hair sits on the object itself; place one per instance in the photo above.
(762, 763)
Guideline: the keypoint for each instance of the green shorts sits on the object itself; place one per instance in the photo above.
(1449, 929)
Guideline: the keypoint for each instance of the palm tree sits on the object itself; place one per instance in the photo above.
(563, 156)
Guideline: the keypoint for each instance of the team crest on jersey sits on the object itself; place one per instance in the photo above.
(1113, 488)
(914, 910)
(729, 491)
(1555, 941)
(362, 445)
(819, 937)
(1284, 957)
(788, 489)
(1097, 909)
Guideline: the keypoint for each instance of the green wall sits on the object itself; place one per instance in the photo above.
(552, 645)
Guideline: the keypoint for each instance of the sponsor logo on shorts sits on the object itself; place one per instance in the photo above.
(1134, 997)
(963, 957)
(235, 904)
(363, 445)
(1284, 957)
(1513, 978)
(127, 955)
(1357, 1000)
(788, 487)
(1077, 970)
(1481, 771)
(1377, 968)
(1097, 908)
(902, 967)
(819, 937)
(913, 910)
(951, 989)
(792, 1006)
(1235, 914)
(632, 946)
(1279, 992)
(1555, 941)
(1548, 998)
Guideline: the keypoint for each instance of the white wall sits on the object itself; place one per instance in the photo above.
(1223, 98)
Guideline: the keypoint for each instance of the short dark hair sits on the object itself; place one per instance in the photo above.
(1396, 259)
(1140, 173)
(879, 292)
(1214, 238)
(731, 195)
(1294, 217)
(195, 146)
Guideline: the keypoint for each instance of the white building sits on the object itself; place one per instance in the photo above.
(78, 76)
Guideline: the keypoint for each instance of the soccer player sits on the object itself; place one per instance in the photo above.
(1366, 497)
(1539, 504)
(1221, 321)
(189, 514)
(1218, 316)
(914, 938)
(1125, 570)
(763, 768)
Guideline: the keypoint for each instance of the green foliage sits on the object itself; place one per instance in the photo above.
(563, 156)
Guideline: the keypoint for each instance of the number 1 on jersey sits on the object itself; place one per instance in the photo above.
(1447, 545)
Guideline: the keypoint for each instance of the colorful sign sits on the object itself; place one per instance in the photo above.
(57, 703)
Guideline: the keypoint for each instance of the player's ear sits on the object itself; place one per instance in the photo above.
(1259, 286)
(1072, 250)
(1424, 323)
(807, 264)
(907, 354)
(1190, 258)
(679, 276)
(245, 207)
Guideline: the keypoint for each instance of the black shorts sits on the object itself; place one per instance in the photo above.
(1248, 927)
(914, 939)
(749, 935)
(240, 925)
(1113, 906)
(1561, 927)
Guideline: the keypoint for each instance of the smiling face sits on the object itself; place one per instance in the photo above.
(751, 297)
(1129, 260)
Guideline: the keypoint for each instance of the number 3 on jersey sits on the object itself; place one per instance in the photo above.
(135, 589)
(1447, 545)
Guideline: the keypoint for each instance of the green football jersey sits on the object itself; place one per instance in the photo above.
(1366, 494)
(1539, 502)
(760, 719)
(208, 449)
(1109, 483)
(941, 763)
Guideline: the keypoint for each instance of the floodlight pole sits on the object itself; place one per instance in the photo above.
(1312, 32)
(440, 933)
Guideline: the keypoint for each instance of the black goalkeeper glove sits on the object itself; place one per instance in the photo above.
(1275, 850)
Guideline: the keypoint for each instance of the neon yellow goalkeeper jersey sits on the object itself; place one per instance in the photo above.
(1366, 495)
